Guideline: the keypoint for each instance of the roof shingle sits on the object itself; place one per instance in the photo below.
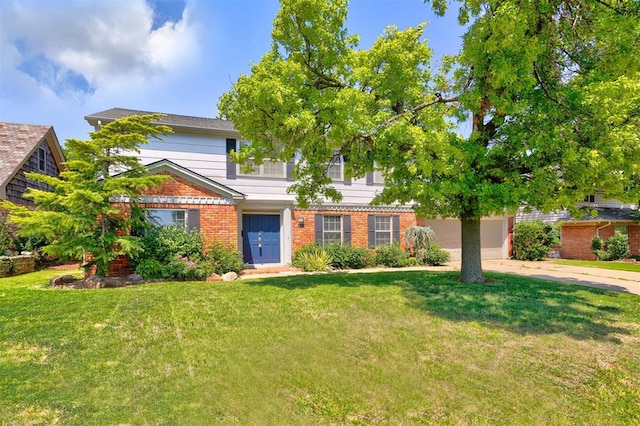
(17, 143)
(171, 120)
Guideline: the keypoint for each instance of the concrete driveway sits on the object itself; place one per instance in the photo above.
(628, 282)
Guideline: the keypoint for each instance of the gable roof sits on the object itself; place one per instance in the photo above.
(195, 178)
(19, 141)
(171, 120)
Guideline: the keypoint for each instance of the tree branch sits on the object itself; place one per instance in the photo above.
(439, 100)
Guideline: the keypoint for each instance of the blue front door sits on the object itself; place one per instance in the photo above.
(261, 238)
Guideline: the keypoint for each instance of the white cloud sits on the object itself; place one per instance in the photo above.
(87, 46)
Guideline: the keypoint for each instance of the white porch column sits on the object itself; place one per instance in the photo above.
(287, 236)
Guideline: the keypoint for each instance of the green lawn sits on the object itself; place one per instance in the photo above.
(384, 348)
(618, 266)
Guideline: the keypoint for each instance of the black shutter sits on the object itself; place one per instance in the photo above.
(345, 160)
(318, 228)
(371, 227)
(346, 229)
(395, 227)
(231, 166)
(369, 178)
(290, 166)
(193, 219)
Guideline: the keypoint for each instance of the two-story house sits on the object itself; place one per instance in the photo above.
(26, 148)
(605, 217)
(253, 210)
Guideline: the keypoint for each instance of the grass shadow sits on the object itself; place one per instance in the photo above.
(520, 305)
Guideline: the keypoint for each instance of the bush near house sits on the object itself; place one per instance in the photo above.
(614, 248)
(175, 253)
(392, 255)
(532, 239)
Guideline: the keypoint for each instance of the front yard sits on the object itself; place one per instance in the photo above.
(390, 348)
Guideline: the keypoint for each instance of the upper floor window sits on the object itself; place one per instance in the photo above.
(377, 177)
(590, 199)
(42, 159)
(335, 167)
(268, 168)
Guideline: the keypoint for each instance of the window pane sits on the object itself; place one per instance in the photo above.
(382, 230)
(163, 217)
(273, 168)
(332, 229)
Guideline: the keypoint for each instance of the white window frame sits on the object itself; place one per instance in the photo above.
(332, 232)
(335, 167)
(181, 222)
(261, 170)
(42, 159)
(383, 232)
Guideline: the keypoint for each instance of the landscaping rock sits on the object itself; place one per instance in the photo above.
(229, 276)
(62, 281)
(214, 277)
(134, 278)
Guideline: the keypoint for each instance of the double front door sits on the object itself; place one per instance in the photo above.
(261, 238)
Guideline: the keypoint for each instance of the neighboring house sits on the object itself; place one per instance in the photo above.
(604, 218)
(254, 212)
(26, 148)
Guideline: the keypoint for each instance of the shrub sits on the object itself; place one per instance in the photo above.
(345, 256)
(418, 238)
(312, 259)
(166, 243)
(433, 256)
(391, 255)
(224, 258)
(182, 268)
(532, 239)
(615, 248)
(5, 240)
(152, 268)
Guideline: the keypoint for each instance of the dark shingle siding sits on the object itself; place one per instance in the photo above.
(172, 120)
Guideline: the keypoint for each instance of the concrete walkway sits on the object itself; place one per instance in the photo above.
(608, 279)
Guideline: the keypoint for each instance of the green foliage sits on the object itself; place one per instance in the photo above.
(614, 248)
(418, 238)
(345, 256)
(165, 244)
(434, 255)
(181, 268)
(152, 268)
(223, 258)
(5, 240)
(312, 259)
(551, 89)
(392, 255)
(532, 239)
(80, 215)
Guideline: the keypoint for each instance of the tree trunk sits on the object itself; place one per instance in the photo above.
(471, 269)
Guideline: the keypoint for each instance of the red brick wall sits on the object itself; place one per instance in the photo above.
(359, 226)
(576, 240)
(217, 222)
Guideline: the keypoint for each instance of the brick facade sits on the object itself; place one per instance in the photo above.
(576, 239)
(218, 222)
(359, 225)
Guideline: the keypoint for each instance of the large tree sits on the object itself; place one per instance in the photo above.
(551, 90)
(89, 210)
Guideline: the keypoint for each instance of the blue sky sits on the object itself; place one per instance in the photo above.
(61, 60)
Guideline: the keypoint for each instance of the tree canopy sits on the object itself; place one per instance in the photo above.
(551, 89)
(82, 215)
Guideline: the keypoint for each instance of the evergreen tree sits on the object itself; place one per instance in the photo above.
(88, 211)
